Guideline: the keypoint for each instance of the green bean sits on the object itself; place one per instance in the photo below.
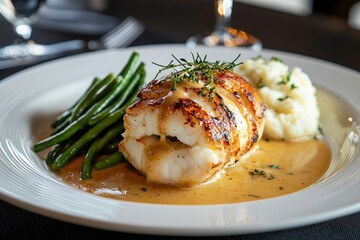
(112, 94)
(88, 98)
(66, 133)
(100, 144)
(109, 161)
(90, 94)
(61, 118)
(91, 134)
(118, 88)
(54, 152)
(96, 147)
(137, 76)
(61, 126)
(70, 129)
(82, 121)
(126, 72)
(123, 78)
(66, 114)
(89, 126)
(112, 147)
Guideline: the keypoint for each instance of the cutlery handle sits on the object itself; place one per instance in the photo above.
(64, 47)
(47, 52)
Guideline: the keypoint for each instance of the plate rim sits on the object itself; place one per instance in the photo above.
(217, 230)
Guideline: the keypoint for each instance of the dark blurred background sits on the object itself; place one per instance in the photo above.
(317, 28)
(339, 9)
(335, 8)
(177, 13)
(325, 29)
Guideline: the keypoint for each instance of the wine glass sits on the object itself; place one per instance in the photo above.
(21, 14)
(223, 34)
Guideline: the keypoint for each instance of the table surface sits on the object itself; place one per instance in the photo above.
(318, 36)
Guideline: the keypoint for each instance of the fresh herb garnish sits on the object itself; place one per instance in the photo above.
(261, 84)
(293, 86)
(283, 98)
(258, 172)
(321, 131)
(273, 166)
(276, 59)
(285, 80)
(184, 70)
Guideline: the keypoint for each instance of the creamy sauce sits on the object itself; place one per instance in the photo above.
(274, 169)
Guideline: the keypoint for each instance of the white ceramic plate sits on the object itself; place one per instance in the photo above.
(26, 182)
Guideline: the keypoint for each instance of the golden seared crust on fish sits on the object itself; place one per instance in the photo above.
(183, 137)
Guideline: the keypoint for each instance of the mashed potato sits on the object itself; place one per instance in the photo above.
(293, 113)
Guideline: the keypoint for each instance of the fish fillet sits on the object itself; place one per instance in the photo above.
(179, 137)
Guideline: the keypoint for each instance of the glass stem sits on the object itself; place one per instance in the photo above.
(23, 31)
(223, 9)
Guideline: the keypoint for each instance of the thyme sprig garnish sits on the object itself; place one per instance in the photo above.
(184, 70)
